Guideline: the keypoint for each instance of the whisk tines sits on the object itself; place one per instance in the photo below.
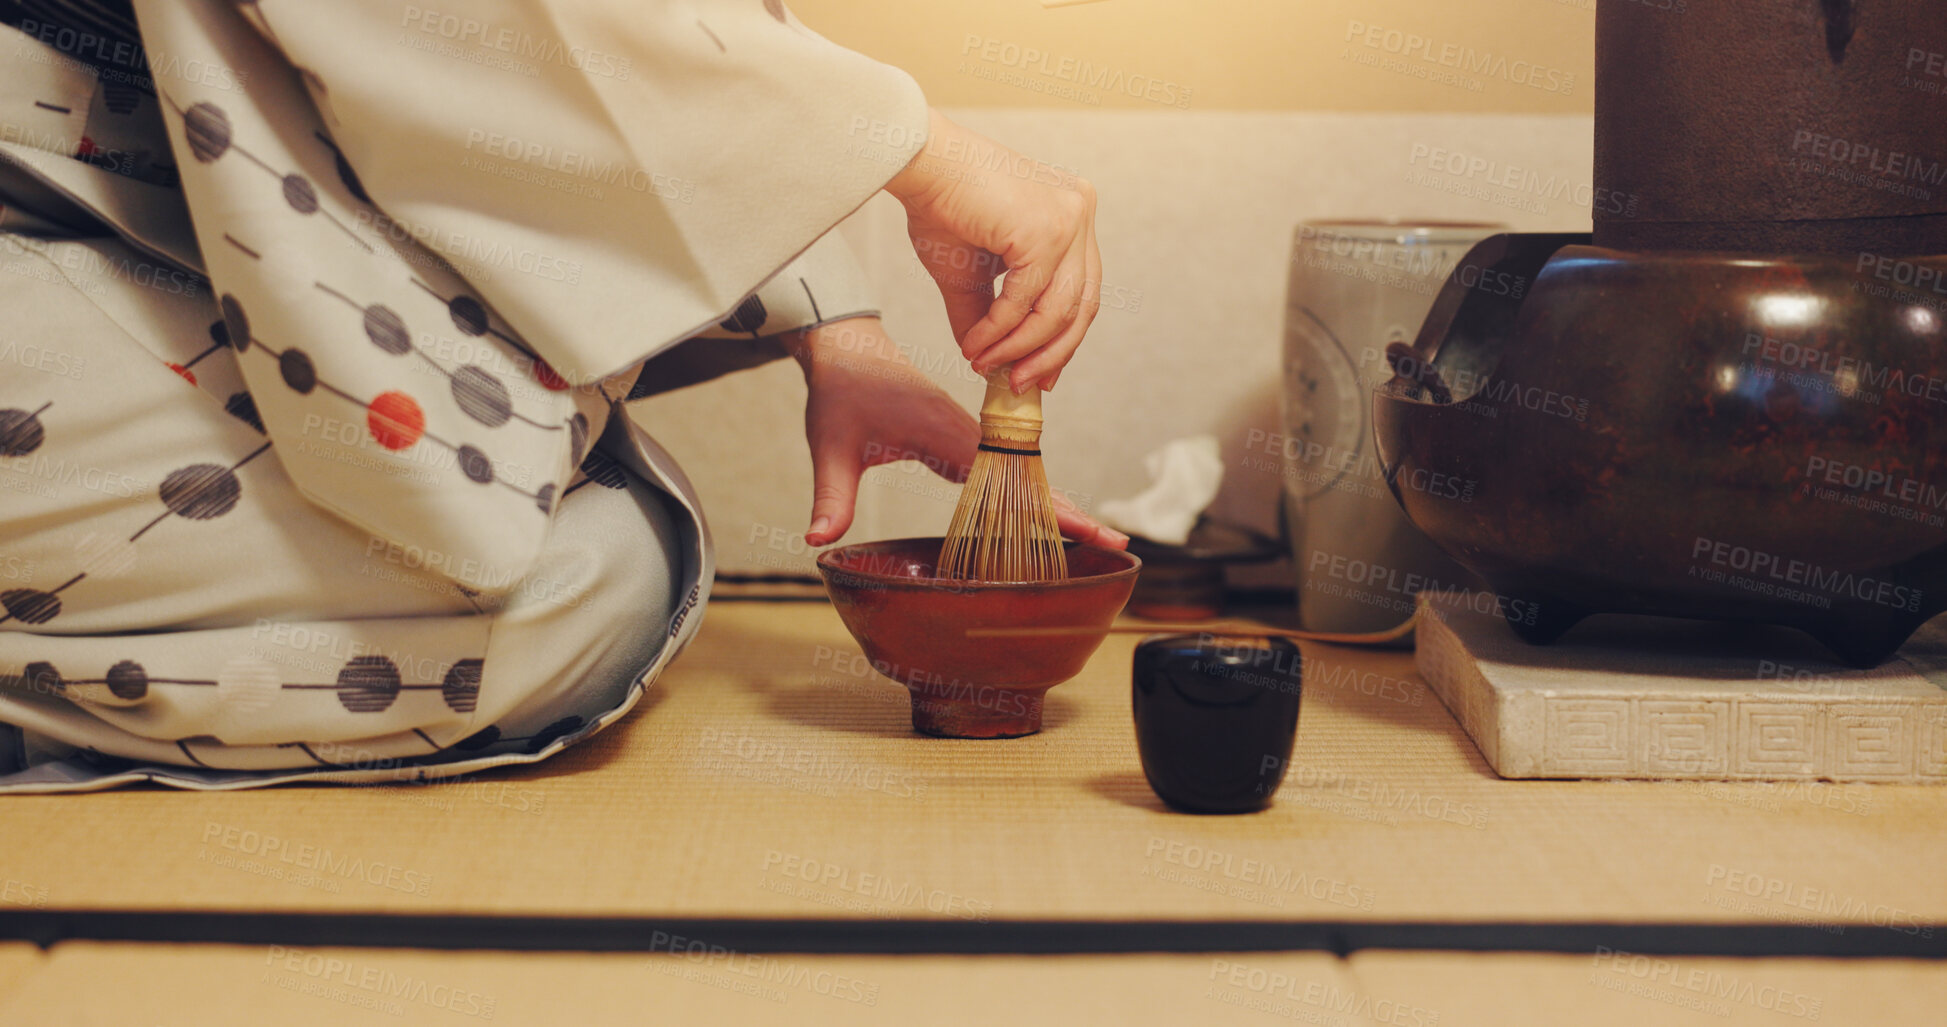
(1004, 526)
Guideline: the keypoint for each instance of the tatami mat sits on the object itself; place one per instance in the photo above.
(112, 985)
(771, 773)
(18, 961)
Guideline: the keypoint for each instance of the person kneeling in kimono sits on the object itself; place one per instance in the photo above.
(316, 456)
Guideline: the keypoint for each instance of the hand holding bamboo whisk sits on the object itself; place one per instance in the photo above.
(1004, 526)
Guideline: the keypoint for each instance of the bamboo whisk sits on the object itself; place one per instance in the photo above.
(1004, 527)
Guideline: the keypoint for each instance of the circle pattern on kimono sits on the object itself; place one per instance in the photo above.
(468, 315)
(246, 685)
(603, 470)
(478, 740)
(548, 735)
(127, 680)
(482, 396)
(201, 491)
(295, 365)
(545, 498)
(475, 465)
(104, 555)
(387, 329)
(208, 131)
(241, 406)
(30, 605)
(220, 333)
(395, 420)
(20, 432)
(42, 677)
(547, 377)
(187, 374)
(577, 436)
(299, 194)
(368, 684)
(461, 689)
(236, 326)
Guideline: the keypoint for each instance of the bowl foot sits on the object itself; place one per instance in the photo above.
(978, 712)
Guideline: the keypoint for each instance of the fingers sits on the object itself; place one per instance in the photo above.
(1085, 529)
(1045, 364)
(1055, 308)
(963, 272)
(965, 309)
(1014, 305)
(835, 470)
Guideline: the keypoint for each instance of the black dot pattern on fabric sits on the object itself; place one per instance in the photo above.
(127, 680)
(235, 324)
(201, 491)
(461, 688)
(299, 194)
(208, 131)
(475, 465)
(387, 329)
(30, 605)
(244, 408)
(478, 740)
(545, 498)
(482, 396)
(220, 333)
(368, 684)
(42, 677)
(604, 471)
(297, 370)
(748, 317)
(468, 315)
(548, 735)
(20, 432)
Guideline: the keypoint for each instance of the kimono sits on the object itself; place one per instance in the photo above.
(319, 329)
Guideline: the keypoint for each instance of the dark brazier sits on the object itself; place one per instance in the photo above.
(1733, 405)
(1215, 718)
(1716, 435)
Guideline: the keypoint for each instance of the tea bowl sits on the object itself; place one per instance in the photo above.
(914, 626)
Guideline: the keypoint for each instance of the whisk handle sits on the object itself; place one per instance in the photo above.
(1002, 409)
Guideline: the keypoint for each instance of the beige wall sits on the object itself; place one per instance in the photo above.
(1520, 56)
(1196, 214)
(1284, 119)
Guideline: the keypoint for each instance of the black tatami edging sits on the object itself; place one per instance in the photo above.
(910, 937)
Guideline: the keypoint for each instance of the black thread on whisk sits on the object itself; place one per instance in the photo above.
(1011, 452)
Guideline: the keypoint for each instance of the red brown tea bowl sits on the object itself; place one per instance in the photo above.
(924, 631)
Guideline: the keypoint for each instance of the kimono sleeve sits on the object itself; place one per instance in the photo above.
(823, 285)
(426, 231)
(614, 177)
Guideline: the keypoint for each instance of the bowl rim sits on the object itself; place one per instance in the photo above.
(827, 567)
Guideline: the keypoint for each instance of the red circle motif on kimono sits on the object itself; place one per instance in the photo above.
(546, 376)
(188, 375)
(395, 420)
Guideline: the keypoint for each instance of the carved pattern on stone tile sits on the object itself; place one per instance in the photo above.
(1720, 737)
